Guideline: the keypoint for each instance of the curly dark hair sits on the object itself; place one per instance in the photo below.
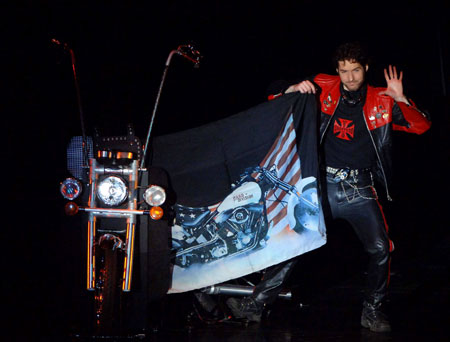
(352, 51)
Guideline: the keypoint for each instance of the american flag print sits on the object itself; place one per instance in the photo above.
(283, 155)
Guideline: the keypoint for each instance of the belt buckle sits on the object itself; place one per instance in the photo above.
(341, 175)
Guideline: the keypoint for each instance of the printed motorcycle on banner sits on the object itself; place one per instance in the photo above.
(272, 214)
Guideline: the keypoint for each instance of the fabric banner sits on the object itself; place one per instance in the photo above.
(246, 188)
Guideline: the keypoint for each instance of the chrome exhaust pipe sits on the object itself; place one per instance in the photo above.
(238, 290)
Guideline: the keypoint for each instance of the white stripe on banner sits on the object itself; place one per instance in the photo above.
(284, 167)
(278, 142)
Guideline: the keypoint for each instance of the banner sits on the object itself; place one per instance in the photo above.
(246, 189)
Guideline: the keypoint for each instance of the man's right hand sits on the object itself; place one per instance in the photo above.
(303, 87)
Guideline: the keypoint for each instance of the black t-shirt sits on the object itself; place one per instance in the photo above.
(347, 142)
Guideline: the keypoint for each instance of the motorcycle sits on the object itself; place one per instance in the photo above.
(239, 223)
(119, 198)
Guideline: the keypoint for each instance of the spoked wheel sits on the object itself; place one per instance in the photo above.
(108, 293)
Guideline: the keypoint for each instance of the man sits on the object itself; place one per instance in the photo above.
(356, 122)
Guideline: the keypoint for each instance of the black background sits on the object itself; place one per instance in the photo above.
(121, 48)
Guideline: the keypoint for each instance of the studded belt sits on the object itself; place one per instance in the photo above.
(343, 173)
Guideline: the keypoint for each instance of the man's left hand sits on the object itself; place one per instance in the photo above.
(394, 85)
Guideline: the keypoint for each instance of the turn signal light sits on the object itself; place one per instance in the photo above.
(156, 213)
(71, 208)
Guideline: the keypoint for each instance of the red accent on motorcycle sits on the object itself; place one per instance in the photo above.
(71, 208)
(156, 213)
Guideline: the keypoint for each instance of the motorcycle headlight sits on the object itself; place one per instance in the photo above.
(70, 188)
(112, 190)
(155, 195)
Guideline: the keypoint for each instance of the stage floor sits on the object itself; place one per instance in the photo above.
(418, 308)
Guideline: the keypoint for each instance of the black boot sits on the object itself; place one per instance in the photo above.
(207, 309)
(373, 319)
(247, 308)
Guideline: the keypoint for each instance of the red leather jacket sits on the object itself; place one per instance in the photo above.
(381, 114)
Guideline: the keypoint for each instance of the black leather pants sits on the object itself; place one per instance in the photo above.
(354, 200)
(272, 282)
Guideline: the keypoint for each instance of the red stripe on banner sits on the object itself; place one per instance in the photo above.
(285, 156)
(278, 217)
(274, 145)
(283, 145)
(272, 206)
(294, 180)
(283, 138)
(289, 168)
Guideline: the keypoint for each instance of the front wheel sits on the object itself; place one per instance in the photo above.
(108, 292)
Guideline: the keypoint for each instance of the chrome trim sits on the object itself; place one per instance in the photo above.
(131, 227)
(128, 262)
(101, 170)
(91, 253)
(114, 212)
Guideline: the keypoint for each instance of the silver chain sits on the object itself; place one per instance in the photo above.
(356, 189)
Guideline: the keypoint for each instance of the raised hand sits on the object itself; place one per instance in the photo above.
(394, 85)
